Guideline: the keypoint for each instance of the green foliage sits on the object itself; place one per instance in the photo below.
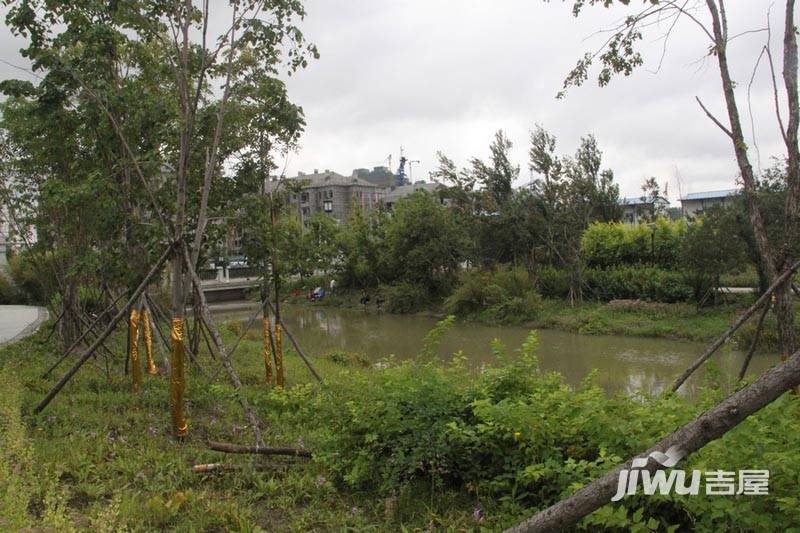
(552, 282)
(9, 294)
(344, 358)
(630, 282)
(712, 247)
(425, 244)
(406, 297)
(29, 274)
(503, 295)
(616, 283)
(610, 244)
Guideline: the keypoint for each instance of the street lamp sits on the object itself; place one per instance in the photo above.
(652, 227)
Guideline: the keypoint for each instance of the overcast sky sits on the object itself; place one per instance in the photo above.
(444, 75)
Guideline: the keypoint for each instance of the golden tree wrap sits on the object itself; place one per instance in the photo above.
(148, 343)
(278, 355)
(133, 350)
(268, 351)
(177, 382)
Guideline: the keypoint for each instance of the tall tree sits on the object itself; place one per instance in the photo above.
(570, 194)
(620, 55)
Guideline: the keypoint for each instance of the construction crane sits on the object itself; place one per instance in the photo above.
(400, 176)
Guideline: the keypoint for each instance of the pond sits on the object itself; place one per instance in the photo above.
(629, 364)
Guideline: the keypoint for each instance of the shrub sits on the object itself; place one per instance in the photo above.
(405, 297)
(552, 282)
(646, 283)
(520, 440)
(29, 278)
(610, 244)
(620, 283)
(502, 295)
(8, 293)
(345, 358)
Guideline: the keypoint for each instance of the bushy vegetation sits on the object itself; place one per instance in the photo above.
(398, 446)
(622, 282)
(500, 295)
(613, 244)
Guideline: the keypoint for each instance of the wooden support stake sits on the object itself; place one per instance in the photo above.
(296, 346)
(754, 344)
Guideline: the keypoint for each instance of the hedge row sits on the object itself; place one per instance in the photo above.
(613, 244)
(625, 282)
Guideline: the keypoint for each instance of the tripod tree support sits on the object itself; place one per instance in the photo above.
(157, 267)
(706, 428)
(223, 354)
(82, 336)
(296, 346)
(762, 300)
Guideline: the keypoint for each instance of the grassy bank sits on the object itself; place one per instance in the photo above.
(411, 446)
(629, 318)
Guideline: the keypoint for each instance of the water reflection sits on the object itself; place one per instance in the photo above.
(623, 363)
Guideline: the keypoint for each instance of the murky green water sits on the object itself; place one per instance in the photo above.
(623, 363)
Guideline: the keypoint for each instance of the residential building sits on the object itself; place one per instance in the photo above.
(639, 209)
(393, 194)
(331, 193)
(693, 203)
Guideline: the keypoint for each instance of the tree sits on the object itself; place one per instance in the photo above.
(620, 55)
(498, 177)
(571, 193)
(425, 243)
(364, 250)
(651, 196)
(189, 150)
(712, 247)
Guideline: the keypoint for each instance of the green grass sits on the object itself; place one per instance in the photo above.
(99, 457)
(671, 321)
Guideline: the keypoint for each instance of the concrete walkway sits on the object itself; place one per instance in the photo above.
(19, 321)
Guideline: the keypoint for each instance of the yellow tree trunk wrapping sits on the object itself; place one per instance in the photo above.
(177, 382)
(268, 351)
(148, 343)
(278, 356)
(133, 350)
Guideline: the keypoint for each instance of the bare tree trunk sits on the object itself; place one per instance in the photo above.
(784, 303)
(784, 311)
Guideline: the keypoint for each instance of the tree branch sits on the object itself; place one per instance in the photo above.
(714, 119)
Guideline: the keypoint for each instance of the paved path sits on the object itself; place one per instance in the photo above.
(19, 321)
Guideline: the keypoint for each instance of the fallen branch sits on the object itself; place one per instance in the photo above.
(261, 450)
(762, 300)
(209, 468)
(707, 427)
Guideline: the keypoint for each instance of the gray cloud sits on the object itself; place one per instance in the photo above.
(441, 75)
